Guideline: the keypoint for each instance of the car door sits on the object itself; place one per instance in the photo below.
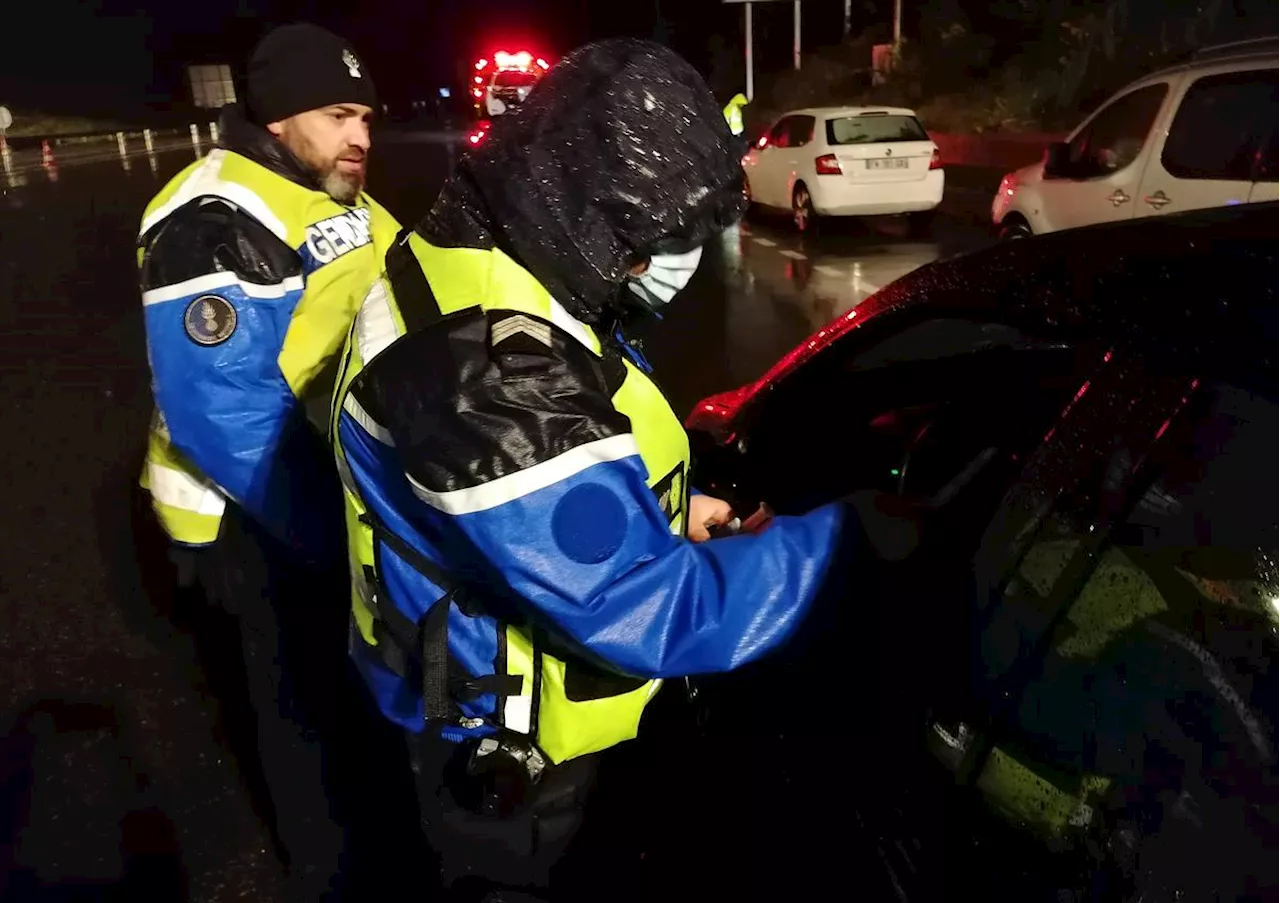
(935, 407)
(1102, 173)
(765, 166)
(799, 151)
(1127, 651)
(1213, 153)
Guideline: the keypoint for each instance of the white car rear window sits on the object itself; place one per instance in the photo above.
(874, 128)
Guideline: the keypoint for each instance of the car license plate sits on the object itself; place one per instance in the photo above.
(900, 163)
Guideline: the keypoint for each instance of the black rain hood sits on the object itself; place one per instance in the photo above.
(619, 153)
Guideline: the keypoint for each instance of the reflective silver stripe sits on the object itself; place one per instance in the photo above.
(367, 594)
(517, 712)
(531, 479)
(348, 479)
(352, 406)
(575, 327)
(214, 281)
(375, 327)
(181, 490)
(206, 182)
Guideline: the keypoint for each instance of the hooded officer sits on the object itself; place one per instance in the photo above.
(519, 513)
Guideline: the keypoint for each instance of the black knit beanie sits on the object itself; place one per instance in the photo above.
(303, 67)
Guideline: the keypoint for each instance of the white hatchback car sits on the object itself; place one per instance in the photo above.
(846, 161)
(1198, 135)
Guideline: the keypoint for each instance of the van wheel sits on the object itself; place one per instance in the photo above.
(802, 212)
(1015, 228)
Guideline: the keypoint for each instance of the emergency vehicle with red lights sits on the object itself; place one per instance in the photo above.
(504, 81)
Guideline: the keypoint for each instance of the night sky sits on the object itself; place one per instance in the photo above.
(109, 55)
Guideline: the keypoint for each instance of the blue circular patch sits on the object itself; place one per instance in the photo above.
(589, 524)
(209, 320)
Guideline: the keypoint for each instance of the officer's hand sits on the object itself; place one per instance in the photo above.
(706, 512)
(891, 524)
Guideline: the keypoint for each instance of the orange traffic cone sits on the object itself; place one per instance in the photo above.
(46, 154)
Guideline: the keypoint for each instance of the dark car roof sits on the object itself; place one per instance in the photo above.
(1199, 286)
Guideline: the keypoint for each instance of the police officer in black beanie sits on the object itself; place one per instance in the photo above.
(253, 262)
(309, 89)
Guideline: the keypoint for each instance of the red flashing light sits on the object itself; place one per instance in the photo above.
(828, 165)
(542, 64)
(477, 93)
(521, 60)
(481, 63)
(763, 142)
(479, 79)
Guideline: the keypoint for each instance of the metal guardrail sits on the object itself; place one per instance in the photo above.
(206, 131)
(24, 154)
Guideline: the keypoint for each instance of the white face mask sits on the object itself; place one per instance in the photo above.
(666, 275)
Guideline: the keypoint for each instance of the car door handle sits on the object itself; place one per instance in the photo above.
(1118, 197)
(1158, 200)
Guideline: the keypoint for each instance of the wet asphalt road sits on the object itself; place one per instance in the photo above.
(115, 762)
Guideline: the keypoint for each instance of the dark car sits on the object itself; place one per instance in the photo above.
(1069, 690)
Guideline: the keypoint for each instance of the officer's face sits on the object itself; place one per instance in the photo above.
(334, 142)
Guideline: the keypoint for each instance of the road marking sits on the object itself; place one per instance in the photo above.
(764, 242)
(827, 270)
(794, 255)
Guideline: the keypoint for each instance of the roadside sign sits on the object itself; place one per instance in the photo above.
(6, 119)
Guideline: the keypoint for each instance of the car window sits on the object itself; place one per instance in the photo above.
(1115, 136)
(874, 128)
(949, 388)
(801, 130)
(1222, 124)
(1194, 532)
(781, 134)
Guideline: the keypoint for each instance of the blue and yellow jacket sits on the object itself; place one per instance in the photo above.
(516, 484)
(251, 276)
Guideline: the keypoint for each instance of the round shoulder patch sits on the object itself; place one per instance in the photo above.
(209, 320)
(589, 524)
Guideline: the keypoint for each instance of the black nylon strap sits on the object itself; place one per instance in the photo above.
(431, 639)
(414, 297)
(437, 703)
(501, 684)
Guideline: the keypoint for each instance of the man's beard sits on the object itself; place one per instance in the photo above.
(343, 187)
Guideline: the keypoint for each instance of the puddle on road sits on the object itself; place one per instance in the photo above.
(774, 275)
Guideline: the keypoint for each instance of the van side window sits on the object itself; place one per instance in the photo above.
(1222, 127)
(1115, 137)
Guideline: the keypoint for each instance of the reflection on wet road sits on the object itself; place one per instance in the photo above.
(770, 288)
(111, 744)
